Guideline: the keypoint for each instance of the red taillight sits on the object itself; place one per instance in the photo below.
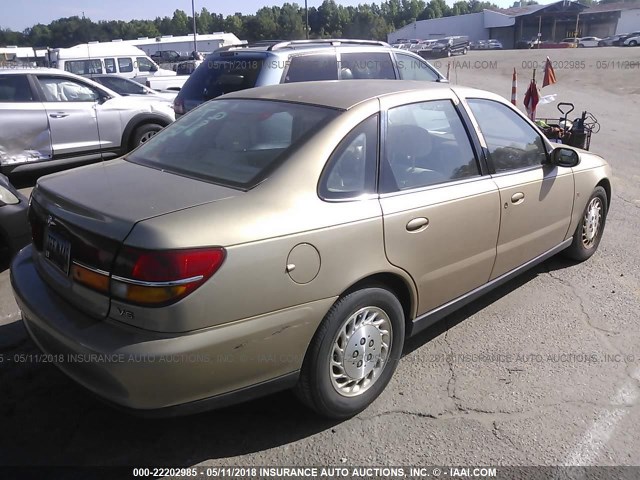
(178, 106)
(154, 278)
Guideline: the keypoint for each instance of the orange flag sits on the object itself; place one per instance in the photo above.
(549, 74)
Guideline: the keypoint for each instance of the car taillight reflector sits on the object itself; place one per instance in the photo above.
(90, 277)
(155, 278)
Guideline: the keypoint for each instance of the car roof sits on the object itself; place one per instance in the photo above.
(344, 94)
(285, 47)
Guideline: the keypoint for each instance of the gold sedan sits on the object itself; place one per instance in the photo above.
(294, 236)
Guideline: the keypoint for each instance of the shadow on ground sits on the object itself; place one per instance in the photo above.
(49, 420)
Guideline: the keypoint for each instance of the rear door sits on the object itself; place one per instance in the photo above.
(24, 129)
(441, 214)
(536, 199)
(71, 109)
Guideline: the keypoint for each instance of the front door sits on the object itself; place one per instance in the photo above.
(536, 197)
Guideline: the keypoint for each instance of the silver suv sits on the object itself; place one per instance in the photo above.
(48, 115)
(230, 69)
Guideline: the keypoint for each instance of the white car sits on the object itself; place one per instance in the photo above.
(632, 41)
(52, 117)
(588, 42)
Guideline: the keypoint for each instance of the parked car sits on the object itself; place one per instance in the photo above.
(448, 46)
(494, 44)
(299, 61)
(588, 42)
(610, 41)
(15, 232)
(294, 236)
(633, 40)
(573, 41)
(125, 87)
(52, 117)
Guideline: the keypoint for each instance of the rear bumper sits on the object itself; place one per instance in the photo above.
(154, 372)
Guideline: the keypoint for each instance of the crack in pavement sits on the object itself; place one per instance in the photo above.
(601, 333)
(632, 203)
(451, 383)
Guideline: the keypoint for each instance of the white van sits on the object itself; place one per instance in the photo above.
(97, 58)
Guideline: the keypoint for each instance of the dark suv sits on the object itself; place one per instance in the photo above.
(237, 68)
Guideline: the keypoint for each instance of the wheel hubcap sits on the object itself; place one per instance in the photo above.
(146, 137)
(360, 351)
(591, 223)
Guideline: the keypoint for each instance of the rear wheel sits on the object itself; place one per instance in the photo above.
(633, 43)
(353, 354)
(589, 231)
(144, 133)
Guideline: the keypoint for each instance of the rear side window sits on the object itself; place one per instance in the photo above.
(351, 170)
(235, 143)
(412, 68)
(219, 75)
(125, 65)
(427, 144)
(15, 88)
(110, 65)
(365, 65)
(84, 67)
(307, 68)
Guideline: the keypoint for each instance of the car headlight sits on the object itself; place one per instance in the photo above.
(6, 197)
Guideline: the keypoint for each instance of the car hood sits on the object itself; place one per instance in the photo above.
(110, 198)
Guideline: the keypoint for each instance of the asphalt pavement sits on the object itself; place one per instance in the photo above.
(543, 371)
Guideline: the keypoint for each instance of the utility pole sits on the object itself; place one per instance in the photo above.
(193, 14)
(306, 20)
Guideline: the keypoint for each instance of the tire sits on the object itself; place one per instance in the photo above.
(144, 133)
(464, 52)
(338, 385)
(580, 45)
(633, 43)
(585, 239)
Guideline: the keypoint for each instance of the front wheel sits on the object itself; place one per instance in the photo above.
(589, 231)
(353, 354)
(633, 43)
(144, 133)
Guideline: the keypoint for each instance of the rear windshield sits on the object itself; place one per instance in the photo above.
(234, 142)
(222, 74)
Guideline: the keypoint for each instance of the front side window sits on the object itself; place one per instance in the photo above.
(412, 68)
(60, 89)
(426, 144)
(235, 143)
(351, 170)
(307, 68)
(15, 88)
(125, 65)
(513, 143)
(144, 64)
(366, 65)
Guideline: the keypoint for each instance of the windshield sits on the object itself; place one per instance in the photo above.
(234, 142)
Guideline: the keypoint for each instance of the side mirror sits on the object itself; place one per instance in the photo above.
(564, 157)
(153, 68)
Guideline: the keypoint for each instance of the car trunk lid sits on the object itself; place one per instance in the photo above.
(82, 217)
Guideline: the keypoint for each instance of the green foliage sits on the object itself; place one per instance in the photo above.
(367, 21)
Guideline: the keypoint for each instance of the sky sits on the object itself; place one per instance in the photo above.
(31, 12)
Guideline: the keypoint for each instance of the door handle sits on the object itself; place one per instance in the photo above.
(417, 224)
(517, 198)
(58, 115)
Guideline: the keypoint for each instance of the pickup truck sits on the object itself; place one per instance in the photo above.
(163, 83)
(168, 56)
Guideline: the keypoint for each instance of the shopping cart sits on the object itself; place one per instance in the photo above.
(576, 133)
